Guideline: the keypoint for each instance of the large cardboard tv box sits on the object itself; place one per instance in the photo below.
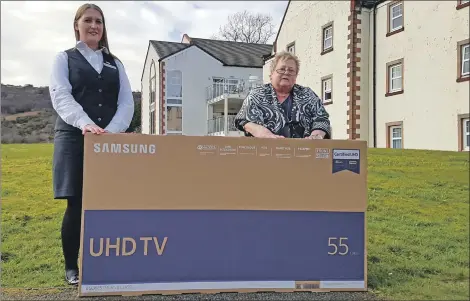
(185, 214)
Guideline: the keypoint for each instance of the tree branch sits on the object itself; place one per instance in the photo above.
(247, 27)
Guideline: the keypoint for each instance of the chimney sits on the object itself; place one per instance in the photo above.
(186, 39)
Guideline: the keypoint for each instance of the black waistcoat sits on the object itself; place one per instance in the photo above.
(96, 92)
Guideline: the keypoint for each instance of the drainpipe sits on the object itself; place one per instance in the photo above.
(225, 109)
(226, 115)
(374, 77)
(208, 125)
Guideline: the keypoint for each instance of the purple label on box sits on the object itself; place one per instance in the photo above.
(150, 246)
(346, 159)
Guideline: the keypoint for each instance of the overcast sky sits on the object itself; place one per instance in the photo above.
(34, 31)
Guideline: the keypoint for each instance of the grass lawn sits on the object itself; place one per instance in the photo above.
(418, 222)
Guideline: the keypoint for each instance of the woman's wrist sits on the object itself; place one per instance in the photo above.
(318, 134)
(250, 127)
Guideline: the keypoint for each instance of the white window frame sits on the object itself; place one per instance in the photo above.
(218, 84)
(325, 90)
(462, 55)
(391, 18)
(392, 139)
(152, 98)
(231, 84)
(391, 78)
(166, 119)
(152, 127)
(329, 29)
(465, 133)
(291, 48)
(463, 1)
(167, 105)
(152, 82)
(169, 79)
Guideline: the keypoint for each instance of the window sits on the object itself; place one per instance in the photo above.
(291, 48)
(394, 134)
(232, 85)
(152, 98)
(326, 89)
(174, 102)
(152, 123)
(395, 77)
(174, 115)
(174, 84)
(463, 60)
(462, 3)
(465, 53)
(464, 132)
(395, 18)
(327, 38)
(218, 84)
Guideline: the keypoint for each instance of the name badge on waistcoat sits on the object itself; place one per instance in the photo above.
(107, 64)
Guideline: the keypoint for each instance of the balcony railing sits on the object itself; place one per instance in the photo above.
(230, 86)
(217, 124)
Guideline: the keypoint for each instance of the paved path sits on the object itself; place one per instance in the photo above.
(71, 294)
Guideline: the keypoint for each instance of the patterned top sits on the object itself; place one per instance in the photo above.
(262, 107)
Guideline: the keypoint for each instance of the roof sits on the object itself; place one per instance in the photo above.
(229, 53)
(370, 3)
(280, 26)
(165, 49)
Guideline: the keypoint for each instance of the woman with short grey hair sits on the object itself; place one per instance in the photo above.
(282, 108)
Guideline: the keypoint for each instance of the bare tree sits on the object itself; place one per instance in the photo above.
(247, 27)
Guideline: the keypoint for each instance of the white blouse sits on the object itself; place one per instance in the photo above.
(71, 111)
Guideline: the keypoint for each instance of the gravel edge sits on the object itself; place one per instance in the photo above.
(71, 294)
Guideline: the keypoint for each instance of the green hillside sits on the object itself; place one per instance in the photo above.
(418, 222)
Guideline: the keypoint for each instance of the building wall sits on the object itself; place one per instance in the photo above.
(432, 99)
(152, 55)
(303, 25)
(355, 71)
(267, 70)
(366, 123)
(197, 69)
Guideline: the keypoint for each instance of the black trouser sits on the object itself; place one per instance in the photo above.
(71, 226)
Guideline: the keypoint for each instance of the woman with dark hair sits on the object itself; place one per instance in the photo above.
(90, 92)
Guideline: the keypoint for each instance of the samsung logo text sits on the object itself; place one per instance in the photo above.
(124, 148)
